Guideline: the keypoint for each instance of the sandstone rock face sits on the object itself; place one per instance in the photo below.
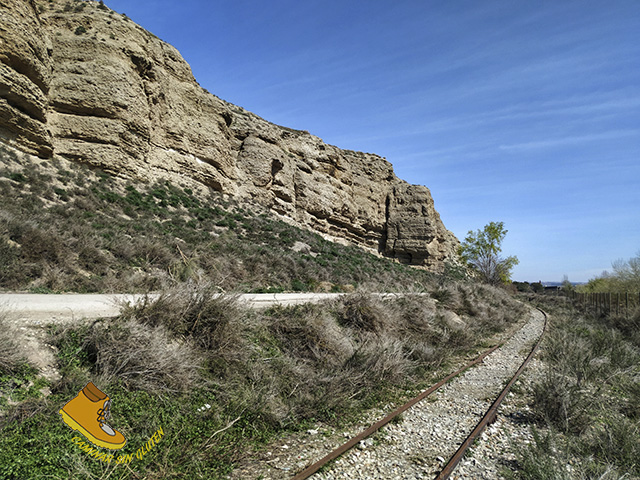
(25, 73)
(85, 83)
(414, 232)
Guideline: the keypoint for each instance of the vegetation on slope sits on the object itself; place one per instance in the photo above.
(64, 227)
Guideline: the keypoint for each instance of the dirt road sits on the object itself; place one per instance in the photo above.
(27, 309)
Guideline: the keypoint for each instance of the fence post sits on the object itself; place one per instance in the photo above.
(600, 303)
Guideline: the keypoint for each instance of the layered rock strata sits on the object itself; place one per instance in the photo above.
(80, 81)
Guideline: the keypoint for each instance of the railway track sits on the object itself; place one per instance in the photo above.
(413, 463)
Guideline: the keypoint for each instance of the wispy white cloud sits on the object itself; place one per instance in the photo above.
(569, 140)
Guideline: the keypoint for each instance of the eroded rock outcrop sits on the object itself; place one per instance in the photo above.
(83, 82)
(25, 73)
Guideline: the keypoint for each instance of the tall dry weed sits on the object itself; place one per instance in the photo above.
(144, 357)
(10, 356)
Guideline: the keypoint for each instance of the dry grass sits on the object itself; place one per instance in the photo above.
(588, 399)
(164, 342)
(144, 358)
(211, 323)
(285, 364)
(10, 357)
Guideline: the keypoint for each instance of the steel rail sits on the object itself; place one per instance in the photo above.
(490, 416)
(310, 470)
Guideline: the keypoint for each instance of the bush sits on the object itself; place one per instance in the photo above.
(560, 402)
(9, 256)
(10, 357)
(38, 245)
(262, 373)
(143, 357)
(197, 312)
(615, 438)
(307, 332)
(365, 313)
(628, 325)
(538, 460)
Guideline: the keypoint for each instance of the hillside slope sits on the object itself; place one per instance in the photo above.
(81, 82)
(65, 227)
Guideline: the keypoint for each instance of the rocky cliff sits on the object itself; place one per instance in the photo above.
(85, 83)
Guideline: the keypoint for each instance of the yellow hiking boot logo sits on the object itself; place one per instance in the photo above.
(87, 413)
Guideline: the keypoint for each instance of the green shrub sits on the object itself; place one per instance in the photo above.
(539, 460)
(62, 193)
(17, 177)
(562, 403)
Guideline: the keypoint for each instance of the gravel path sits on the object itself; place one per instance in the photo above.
(431, 432)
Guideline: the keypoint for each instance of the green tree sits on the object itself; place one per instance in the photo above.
(481, 250)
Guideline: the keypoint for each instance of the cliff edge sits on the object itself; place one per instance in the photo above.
(80, 81)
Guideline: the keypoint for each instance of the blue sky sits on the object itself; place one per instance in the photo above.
(526, 112)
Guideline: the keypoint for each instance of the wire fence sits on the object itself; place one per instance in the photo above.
(609, 303)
